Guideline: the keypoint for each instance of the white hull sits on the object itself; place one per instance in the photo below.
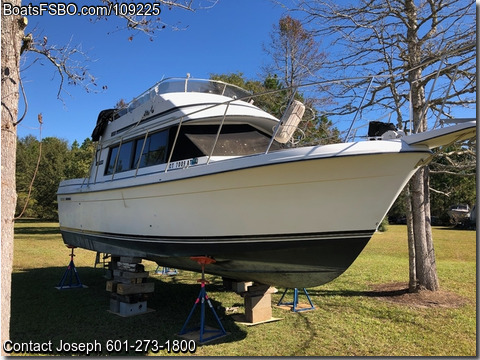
(285, 196)
(188, 202)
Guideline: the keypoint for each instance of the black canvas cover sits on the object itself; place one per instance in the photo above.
(102, 121)
(378, 128)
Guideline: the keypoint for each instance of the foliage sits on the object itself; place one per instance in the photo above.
(452, 179)
(397, 41)
(294, 53)
(57, 162)
(271, 96)
(452, 182)
(383, 225)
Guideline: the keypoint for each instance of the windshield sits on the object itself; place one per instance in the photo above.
(187, 85)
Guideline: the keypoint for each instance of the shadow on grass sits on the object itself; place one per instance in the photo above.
(55, 230)
(354, 293)
(36, 230)
(42, 313)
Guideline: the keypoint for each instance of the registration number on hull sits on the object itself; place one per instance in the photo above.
(182, 164)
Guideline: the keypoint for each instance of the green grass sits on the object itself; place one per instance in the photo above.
(347, 319)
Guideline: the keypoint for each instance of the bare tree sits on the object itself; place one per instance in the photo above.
(73, 71)
(295, 53)
(422, 57)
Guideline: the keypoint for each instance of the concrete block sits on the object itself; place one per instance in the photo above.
(133, 309)
(114, 305)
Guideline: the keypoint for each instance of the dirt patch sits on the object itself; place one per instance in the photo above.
(398, 293)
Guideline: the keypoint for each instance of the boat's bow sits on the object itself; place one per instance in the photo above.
(443, 136)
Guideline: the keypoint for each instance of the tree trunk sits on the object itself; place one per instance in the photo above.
(12, 34)
(426, 271)
(420, 195)
(431, 282)
(412, 283)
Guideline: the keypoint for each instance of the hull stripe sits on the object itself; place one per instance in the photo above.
(245, 239)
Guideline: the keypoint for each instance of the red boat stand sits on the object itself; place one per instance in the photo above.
(70, 273)
(202, 298)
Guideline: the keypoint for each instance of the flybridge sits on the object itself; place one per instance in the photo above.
(172, 85)
(169, 85)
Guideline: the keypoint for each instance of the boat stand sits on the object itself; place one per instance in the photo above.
(294, 304)
(202, 298)
(70, 273)
(166, 271)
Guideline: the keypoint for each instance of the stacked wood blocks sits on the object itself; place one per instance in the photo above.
(129, 289)
(258, 303)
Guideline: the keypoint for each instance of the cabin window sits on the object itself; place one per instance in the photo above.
(234, 140)
(139, 152)
(111, 160)
(155, 149)
(124, 161)
(125, 157)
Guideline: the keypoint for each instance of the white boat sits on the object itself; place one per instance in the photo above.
(459, 214)
(189, 168)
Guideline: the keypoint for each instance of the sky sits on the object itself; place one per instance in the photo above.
(225, 38)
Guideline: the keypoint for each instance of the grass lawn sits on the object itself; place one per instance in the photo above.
(347, 321)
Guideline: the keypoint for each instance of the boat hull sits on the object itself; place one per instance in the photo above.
(295, 218)
(289, 260)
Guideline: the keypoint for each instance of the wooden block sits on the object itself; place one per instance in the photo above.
(131, 275)
(111, 285)
(133, 298)
(126, 289)
(258, 308)
(258, 315)
(130, 259)
(260, 289)
(241, 287)
(117, 273)
(130, 267)
(257, 302)
(125, 280)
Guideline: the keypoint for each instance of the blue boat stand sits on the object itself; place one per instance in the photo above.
(70, 273)
(201, 299)
(295, 301)
(166, 271)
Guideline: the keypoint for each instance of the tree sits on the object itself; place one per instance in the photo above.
(295, 58)
(41, 165)
(12, 33)
(452, 179)
(79, 159)
(28, 150)
(14, 44)
(52, 170)
(271, 96)
(294, 52)
(409, 48)
(268, 95)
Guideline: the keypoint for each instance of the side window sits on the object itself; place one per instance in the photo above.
(111, 160)
(124, 161)
(149, 151)
(155, 149)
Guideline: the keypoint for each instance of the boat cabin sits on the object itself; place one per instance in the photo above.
(180, 123)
